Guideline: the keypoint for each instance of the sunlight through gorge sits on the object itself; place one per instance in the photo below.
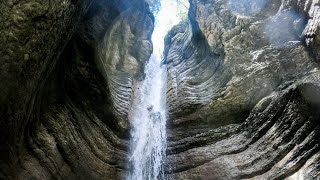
(148, 110)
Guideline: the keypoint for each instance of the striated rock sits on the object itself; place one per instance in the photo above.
(66, 82)
(32, 36)
(243, 88)
(123, 53)
(279, 137)
(241, 79)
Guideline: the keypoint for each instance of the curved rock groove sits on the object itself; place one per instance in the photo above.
(254, 117)
(243, 88)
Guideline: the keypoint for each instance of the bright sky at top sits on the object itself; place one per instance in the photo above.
(165, 19)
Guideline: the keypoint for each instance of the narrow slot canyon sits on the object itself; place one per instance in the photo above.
(160, 89)
(147, 112)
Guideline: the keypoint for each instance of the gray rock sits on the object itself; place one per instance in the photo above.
(238, 92)
(68, 66)
(243, 88)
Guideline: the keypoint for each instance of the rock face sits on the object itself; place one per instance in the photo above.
(25, 67)
(67, 71)
(243, 90)
(122, 55)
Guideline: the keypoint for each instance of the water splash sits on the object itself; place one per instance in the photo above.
(285, 26)
(148, 113)
(148, 118)
(247, 7)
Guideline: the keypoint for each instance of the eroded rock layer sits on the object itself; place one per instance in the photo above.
(243, 88)
(67, 73)
(243, 91)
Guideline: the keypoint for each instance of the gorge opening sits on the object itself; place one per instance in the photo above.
(84, 95)
(148, 110)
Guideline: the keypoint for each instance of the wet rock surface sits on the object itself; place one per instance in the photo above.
(241, 80)
(243, 88)
(66, 68)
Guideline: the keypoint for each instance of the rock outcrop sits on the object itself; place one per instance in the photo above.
(243, 90)
(67, 72)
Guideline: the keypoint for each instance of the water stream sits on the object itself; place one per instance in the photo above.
(149, 121)
(148, 111)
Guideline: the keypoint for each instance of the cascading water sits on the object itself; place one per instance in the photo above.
(148, 119)
(148, 113)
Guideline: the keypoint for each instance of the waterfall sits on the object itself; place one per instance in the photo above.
(148, 113)
(148, 117)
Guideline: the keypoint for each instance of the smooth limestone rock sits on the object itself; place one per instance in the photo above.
(123, 54)
(67, 72)
(32, 35)
(243, 90)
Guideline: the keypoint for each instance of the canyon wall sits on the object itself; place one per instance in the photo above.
(243, 91)
(67, 71)
(243, 88)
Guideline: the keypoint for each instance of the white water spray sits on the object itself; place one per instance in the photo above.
(148, 119)
(148, 113)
